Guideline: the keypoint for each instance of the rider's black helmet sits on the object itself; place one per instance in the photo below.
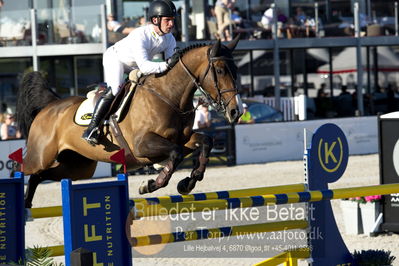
(161, 8)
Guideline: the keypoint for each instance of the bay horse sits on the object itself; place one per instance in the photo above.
(157, 126)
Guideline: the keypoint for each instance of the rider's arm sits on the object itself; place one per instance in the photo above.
(143, 59)
(146, 66)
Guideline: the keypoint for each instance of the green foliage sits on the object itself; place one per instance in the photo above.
(373, 257)
(38, 256)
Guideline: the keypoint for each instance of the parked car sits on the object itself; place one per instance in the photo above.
(262, 112)
(219, 131)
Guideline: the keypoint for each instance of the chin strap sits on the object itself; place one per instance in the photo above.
(159, 24)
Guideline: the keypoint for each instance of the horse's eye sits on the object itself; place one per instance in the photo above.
(219, 71)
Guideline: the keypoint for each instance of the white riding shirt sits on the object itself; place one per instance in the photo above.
(136, 51)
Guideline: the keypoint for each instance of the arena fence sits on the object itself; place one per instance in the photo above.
(94, 213)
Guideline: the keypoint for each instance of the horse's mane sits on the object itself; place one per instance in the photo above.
(180, 52)
(191, 47)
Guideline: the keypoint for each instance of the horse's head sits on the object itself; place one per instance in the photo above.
(219, 81)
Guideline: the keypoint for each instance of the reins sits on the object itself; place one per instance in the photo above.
(217, 103)
(167, 101)
(175, 108)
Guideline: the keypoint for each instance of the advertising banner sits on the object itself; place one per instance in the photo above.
(267, 142)
(9, 146)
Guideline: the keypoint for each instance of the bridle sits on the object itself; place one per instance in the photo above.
(218, 103)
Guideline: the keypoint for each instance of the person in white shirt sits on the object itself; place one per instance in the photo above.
(135, 51)
(8, 129)
(202, 117)
(267, 18)
(112, 24)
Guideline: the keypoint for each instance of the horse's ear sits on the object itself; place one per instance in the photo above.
(215, 49)
(232, 45)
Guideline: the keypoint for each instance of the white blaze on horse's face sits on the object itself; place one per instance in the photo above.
(239, 103)
(233, 116)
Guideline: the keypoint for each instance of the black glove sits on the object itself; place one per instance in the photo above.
(171, 61)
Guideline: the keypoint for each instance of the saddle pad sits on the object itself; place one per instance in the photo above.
(85, 110)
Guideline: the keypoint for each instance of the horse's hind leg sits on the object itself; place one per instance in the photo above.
(35, 163)
(204, 143)
(154, 146)
(33, 182)
(69, 165)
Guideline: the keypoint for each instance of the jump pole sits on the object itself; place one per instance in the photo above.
(56, 211)
(264, 200)
(219, 232)
(325, 161)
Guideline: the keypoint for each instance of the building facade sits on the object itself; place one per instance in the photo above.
(314, 44)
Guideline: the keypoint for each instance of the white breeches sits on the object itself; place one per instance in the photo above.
(113, 70)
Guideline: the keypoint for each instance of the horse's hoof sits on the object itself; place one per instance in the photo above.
(185, 185)
(28, 215)
(28, 205)
(197, 175)
(147, 187)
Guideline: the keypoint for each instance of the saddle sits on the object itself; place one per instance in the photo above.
(122, 100)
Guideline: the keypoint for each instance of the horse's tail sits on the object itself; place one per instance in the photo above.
(33, 95)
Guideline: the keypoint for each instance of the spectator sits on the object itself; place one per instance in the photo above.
(281, 17)
(344, 91)
(267, 19)
(380, 98)
(236, 17)
(335, 17)
(202, 121)
(2, 119)
(323, 103)
(391, 100)
(321, 93)
(114, 25)
(202, 117)
(300, 16)
(9, 129)
(222, 11)
(246, 117)
(141, 22)
(211, 22)
(344, 103)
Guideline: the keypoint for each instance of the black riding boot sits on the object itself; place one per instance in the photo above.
(92, 133)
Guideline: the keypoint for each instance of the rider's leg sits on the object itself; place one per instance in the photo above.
(92, 133)
(113, 76)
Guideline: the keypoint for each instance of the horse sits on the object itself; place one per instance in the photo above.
(157, 126)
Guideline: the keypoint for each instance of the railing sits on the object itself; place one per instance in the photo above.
(79, 24)
(293, 108)
(15, 27)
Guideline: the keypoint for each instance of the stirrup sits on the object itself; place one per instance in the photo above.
(92, 137)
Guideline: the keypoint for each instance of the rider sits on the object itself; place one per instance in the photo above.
(135, 51)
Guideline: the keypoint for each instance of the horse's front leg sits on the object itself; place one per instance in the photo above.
(204, 144)
(154, 147)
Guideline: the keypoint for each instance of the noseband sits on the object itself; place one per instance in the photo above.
(218, 103)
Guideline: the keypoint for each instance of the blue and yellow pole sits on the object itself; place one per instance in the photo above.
(263, 200)
(216, 232)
